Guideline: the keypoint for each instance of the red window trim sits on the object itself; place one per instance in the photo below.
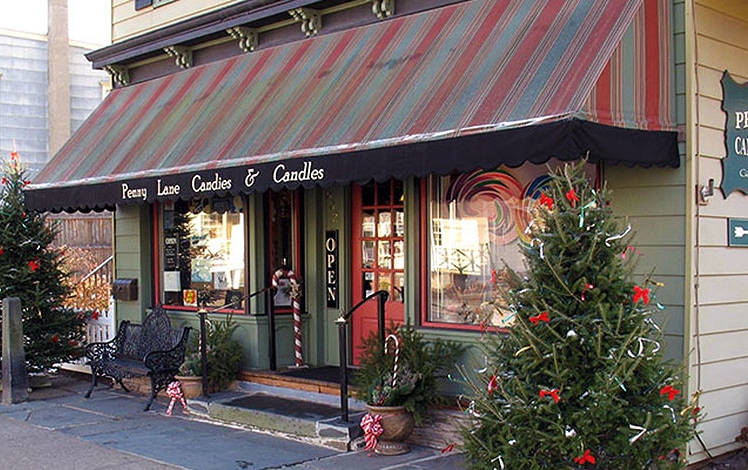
(156, 233)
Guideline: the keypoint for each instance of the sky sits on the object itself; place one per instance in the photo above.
(88, 20)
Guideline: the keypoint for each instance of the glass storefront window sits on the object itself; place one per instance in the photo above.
(476, 222)
(203, 253)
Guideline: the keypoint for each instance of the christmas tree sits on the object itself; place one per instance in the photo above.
(31, 270)
(579, 380)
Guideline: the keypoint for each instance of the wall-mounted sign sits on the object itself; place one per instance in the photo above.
(738, 232)
(331, 268)
(735, 163)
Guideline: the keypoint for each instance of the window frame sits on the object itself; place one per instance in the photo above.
(157, 253)
(424, 251)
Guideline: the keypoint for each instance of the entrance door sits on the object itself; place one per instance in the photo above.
(378, 255)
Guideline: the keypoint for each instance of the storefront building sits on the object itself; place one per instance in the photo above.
(397, 146)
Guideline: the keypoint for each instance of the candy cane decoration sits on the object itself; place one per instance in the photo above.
(372, 427)
(397, 355)
(174, 391)
(295, 295)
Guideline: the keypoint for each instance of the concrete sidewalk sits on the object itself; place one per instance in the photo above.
(61, 429)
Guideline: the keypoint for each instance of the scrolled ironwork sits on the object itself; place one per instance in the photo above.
(152, 349)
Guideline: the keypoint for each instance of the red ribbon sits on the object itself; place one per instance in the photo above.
(572, 197)
(553, 393)
(671, 392)
(538, 318)
(372, 426)
(492, 385)
(641, 293)
(174, 391)
(449, 448)
(586, 458)
(585, 289)
(546, 201)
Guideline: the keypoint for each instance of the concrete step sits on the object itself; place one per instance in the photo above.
(310, 416)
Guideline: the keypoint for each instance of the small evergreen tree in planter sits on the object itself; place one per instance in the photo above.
(224, 355)
(402, 373)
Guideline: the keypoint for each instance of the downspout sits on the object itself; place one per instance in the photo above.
(692, 342)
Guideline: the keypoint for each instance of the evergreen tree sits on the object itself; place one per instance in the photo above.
(31, 269)
(579, 380)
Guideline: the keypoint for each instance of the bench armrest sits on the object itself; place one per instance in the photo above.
(170, 359)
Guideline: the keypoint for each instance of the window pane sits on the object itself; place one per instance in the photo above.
(367, 225)
(203, 253)
(477, 223)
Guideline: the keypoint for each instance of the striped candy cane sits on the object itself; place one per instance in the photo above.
(296, 303)
(397, 355)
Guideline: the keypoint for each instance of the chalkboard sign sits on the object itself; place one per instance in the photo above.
(171, 253)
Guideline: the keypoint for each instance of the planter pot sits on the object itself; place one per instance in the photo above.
(192, 387)
(397, 424)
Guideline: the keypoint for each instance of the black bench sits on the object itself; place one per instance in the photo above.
(152, 349)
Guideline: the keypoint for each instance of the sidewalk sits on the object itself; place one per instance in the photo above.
(61, 429)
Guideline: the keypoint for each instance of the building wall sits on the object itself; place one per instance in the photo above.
(127, 23)
(24, 91)
(719, 300)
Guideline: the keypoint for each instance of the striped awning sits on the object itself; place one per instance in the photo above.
(472, 85)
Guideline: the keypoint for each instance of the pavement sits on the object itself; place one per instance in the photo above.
(58, 428)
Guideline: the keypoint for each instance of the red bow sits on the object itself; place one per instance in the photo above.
(553, 393)
(538, 318)
(546, 201)
(641, 293)
(586, 458)
(372, 426)
(34, 264)
(492, 384)
(585, 289)
(572, 197)
(671, 392)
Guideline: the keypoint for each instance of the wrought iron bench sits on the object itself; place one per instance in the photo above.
(152, 349)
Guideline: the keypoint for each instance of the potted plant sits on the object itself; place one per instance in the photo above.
(399, 382)
(224, 359)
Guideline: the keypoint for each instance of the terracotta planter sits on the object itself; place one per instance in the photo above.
(398, 424)
(192, 387)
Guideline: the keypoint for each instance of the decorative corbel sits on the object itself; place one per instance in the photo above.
(383, 8)
(311, 20)
(182, 55)
(248, 37)
(119, 73)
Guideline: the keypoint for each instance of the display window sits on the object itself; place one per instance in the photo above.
(202, 253)
(474, 224)
(283, 243)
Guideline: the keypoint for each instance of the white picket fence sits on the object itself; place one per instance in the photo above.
(102, 328)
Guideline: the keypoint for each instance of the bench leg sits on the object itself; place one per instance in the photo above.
(150, 400)
(122, 384)
(93, 384)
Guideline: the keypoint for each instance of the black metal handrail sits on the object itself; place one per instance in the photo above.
(203, 312)
(342, 322)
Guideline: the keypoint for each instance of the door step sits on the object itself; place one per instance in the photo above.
(309, 415)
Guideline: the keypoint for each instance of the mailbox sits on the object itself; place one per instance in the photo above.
(125, 289)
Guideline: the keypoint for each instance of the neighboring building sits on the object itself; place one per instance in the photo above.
(47, 90)
(243, 136)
